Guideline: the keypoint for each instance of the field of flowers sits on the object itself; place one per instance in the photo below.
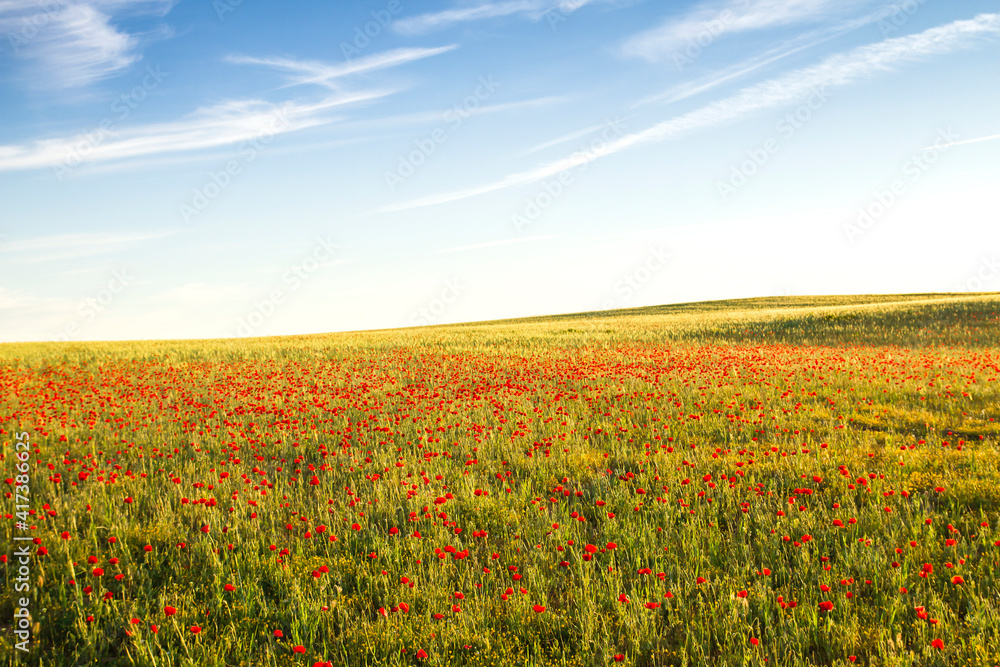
(798, 481)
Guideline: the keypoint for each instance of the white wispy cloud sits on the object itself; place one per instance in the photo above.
(72, 43)
(223, 124)
(326, 74)
(739, 70)
(534, 9)
(977, 140)
(838, 70)
(58, 247)
(564, 138)
(715, 19)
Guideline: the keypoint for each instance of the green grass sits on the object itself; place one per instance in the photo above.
(549, 416)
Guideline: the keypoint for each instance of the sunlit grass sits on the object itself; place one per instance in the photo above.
(752, 429)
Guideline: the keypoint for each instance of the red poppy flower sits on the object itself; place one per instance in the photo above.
(299, 649)
(422, 654)
(826, 606)
(538, 609)
(619, 657)
(195, 629)
(957, 580)
(279, 634)
(938, 644)
(169, 611)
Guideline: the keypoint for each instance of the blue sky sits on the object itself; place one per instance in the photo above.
(199, 169)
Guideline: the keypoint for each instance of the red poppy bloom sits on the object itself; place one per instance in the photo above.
(538, 609)
(229, 588)
(938, 644)
(195, 629)
(957, 580)
(422, 654)
(619, 657)
(279, 634)
(169, 611)
(299, 649)
(826, 606)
